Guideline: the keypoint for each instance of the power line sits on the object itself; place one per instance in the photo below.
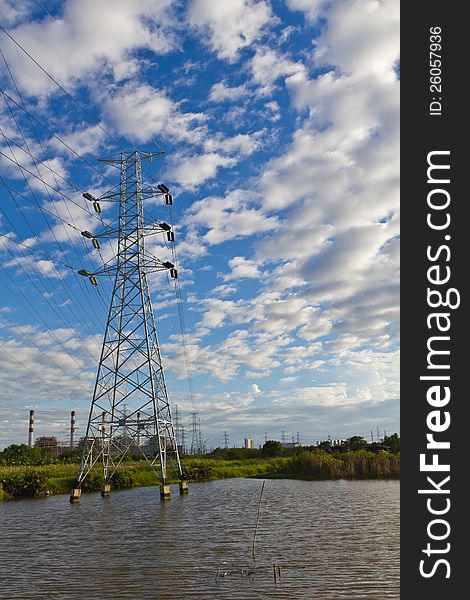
(4, 316)
(85, 112)
(77, 48)
(23, 168)
(42, 246)
(57, 137)
(46, 163)
(54, 260)
(48, 224)
(2, 349)
(59, 342)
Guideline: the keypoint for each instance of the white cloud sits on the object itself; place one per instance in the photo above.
(242, 144)
(84, 45)
(87, 140)
(191, 172)
(141, 112)
(350, 46)
(230, 25)
(241, 268)
(267, 66)
(311, 8)
(221, 93)
(233, 216)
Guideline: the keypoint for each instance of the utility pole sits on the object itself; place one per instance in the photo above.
(130, 369)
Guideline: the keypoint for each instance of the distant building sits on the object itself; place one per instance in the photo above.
(249, 443)
(49, 443)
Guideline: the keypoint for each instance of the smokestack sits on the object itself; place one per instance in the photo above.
(31, 429)
(72, 430)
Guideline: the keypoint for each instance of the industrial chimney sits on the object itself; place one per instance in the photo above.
(72, 430)
(31, 429)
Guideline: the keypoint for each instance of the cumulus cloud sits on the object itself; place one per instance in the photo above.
(242, 268)
(232, 216)
(84, 45)
(231, 25)
(192, 171)
(141, 112)
(305, 249)
(222, 93)
(267, 66)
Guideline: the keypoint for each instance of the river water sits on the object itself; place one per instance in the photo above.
(331, 540)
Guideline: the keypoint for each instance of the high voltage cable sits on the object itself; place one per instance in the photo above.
(41, 162)
(43, 151)
(52, 201)
(54, 260)
(46, 164)
(50, 258)
(56, 216)
(179, 303)
(57, 137)
(37, 137)
(59, 85)
(154, 139)
(29, 370)
(50, 228)
(78, 316)
(4, 316)
(65, 321)
(22, 167)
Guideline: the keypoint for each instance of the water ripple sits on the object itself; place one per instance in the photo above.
(332, 540)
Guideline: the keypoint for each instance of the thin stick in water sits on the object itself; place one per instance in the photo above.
(257, 520)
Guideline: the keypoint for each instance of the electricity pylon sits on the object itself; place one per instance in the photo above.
(130, 410)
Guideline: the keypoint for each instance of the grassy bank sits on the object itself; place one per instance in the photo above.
(350, 465)
(33, 481)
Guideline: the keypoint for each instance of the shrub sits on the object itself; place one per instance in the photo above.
(92, 482)
(25, 482)
(196, 470)
(123, 478)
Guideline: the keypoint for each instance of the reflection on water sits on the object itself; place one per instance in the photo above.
(332, 540)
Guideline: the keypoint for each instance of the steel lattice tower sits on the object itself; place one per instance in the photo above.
(130, 410)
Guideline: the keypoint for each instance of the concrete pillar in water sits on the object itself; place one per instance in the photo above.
(75, 494)
(184, 487)
(164, 492)
(105, 489)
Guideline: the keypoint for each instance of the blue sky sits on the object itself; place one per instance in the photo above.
(279, 122)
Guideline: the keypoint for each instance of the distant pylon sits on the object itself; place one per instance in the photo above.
(225, 439)
(130, 410)
(197, 445)
(179, 431)
(183, 440)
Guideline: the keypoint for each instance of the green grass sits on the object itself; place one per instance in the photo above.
(17, 481)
